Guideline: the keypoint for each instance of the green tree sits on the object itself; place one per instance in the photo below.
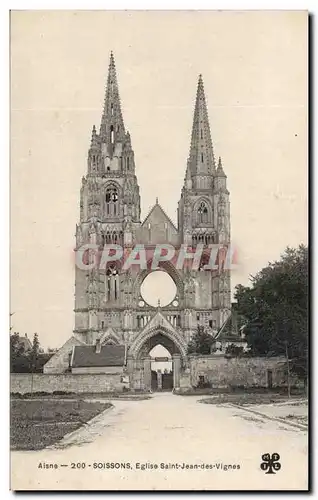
(201, 343)
(275, 308)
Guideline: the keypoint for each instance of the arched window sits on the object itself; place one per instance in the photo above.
(112, 206)
(201, 157)
(112, 109)
(111, 284)
(202, 213)
(112, 134)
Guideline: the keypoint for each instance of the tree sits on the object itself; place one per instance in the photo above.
(19, 361)
(275, 308)
(34, 353)
(201, 343)
(30, 361)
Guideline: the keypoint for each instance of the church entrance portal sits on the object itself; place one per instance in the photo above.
(157, 364)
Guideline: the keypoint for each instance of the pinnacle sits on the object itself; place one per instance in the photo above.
(220, 171)
(94, 140)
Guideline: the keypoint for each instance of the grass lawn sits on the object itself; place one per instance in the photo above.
(250, 398)
(40, 423)
(125, 396)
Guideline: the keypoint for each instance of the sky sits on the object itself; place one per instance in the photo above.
(254, 67)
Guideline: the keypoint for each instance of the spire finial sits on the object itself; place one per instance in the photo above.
(158, 303)
(157, 200)
(200, 84)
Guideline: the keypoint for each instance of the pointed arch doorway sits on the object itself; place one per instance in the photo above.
(140, 362)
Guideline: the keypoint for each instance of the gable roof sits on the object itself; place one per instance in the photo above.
(110, 334)
(63, 351)
(109, 355)
(157, 210)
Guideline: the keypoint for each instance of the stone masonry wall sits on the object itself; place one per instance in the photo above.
(224, 372)
(21, 382)
(110, 370)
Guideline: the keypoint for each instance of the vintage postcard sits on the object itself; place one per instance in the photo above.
(159, 251)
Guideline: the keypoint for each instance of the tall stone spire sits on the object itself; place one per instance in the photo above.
(201, 157)
(112, 127)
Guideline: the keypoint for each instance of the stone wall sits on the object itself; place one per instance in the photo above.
(220, 371)
(109, 370)
(21, 382)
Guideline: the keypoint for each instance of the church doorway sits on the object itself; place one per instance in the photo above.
(155, 360)
(161, 369)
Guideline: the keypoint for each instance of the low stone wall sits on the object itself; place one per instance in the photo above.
(22, 382)
(220, 371)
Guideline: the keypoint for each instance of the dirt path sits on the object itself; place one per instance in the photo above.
(171, 430)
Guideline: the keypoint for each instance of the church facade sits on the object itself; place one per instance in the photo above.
(109, 307)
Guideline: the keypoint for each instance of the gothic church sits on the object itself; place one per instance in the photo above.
(114, 325)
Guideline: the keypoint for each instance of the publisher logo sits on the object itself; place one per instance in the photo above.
(270, 464)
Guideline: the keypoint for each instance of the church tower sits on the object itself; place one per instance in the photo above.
(109, 214)
(204, 211)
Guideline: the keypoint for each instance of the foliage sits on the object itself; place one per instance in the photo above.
(22, 361)
(19, 361)
(201, 343)
(34, 353)
(275, 308)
